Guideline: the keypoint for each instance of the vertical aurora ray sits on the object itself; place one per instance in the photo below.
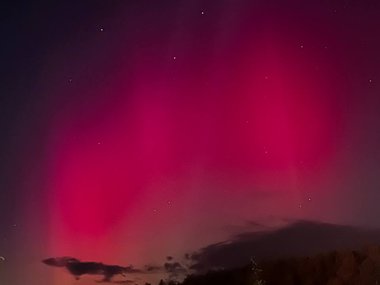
(162, 145)
(135, 130)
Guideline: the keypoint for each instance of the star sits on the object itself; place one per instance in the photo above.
(174, 57)
(202, 13)
(101, 29)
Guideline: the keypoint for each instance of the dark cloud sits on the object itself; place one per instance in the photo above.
(170, 267)
(268, 223)
(153, 268)
(78, 268)
(175, 270)
(125, 282)
(59, 261)
(297, 239)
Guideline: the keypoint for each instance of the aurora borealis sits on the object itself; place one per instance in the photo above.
(136, 130)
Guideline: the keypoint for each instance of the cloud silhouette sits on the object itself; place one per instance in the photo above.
(125, 282)
(175, 270)
(59, 261)
(297, 239)
(153, 268)
(78, 268)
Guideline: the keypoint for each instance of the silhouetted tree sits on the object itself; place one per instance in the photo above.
(332, 268)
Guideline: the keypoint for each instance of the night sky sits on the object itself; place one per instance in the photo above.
(135, 130)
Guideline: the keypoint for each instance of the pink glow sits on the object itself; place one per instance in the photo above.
(113, 167)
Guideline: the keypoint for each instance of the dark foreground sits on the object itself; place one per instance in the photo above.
(349, 267)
